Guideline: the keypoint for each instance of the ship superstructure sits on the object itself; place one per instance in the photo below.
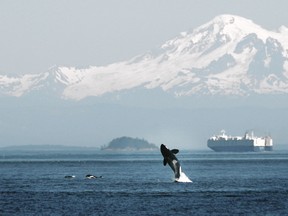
(247, 143)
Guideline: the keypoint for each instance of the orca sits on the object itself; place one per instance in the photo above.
(171, 159)
(70, 176)
(92, 176)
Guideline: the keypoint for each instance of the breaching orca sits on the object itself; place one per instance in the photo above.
(170, 158)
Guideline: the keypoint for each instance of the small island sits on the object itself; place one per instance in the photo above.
(129, 144)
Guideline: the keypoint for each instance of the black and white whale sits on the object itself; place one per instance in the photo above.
(173, 162)
(69, 176)
(92, 176)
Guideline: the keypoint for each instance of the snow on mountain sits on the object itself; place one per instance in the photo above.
(17, 86)
(229, 55)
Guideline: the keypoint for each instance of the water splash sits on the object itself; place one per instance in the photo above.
(183, 178)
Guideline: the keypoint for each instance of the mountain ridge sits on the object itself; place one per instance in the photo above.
(229, 55)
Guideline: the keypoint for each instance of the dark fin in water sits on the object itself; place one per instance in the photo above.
(164, 162)
(69, 176)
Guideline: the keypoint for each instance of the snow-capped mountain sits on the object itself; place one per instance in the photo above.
(229, 55)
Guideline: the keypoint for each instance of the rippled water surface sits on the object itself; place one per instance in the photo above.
(139, 184)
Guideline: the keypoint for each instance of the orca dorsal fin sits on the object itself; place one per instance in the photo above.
(174, 151)
(164, 162)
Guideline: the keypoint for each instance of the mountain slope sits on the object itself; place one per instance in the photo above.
(229, 55)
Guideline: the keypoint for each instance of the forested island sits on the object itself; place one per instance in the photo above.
(129, 144)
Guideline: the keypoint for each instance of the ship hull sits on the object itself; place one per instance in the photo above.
(236, 146)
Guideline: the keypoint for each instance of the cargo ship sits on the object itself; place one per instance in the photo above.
(247, 143)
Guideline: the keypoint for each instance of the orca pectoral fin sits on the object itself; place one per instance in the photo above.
(174, 151)
(164, 162)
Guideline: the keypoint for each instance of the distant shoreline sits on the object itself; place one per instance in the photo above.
(46, 148)
(87, 150)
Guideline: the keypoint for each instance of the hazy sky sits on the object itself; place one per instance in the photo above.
(38, 34)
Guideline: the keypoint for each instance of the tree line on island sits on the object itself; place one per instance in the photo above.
(129, 144)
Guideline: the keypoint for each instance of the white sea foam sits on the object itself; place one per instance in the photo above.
(183, 178)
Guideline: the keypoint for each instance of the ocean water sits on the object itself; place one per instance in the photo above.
(139, 184)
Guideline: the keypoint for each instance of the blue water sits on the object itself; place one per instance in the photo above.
(139, 184)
